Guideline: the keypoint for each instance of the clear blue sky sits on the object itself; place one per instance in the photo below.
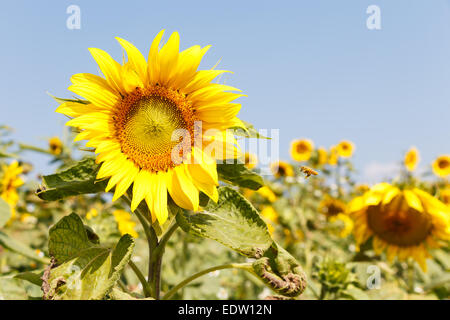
(310, 68)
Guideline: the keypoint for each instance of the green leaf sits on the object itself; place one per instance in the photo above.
(117, 294)
(237, 174)
(232, 221)
(84, 270)
(5, 212)
(78, 179)
(18, 247)
(31, 277)
(62, 100)
(249, 131)
(15, 289)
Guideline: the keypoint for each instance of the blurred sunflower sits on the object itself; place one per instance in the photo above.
(330, 206)
(282, 169)
(345, 149)
(302, 149)
(411, 159)
(269, 213)
(250, 160)
(333, 156)
(55, 146)
(124, 223)
(441, 166)
(322, 156)
(361, 188)
(92, 213)
(133, 113)
(267, 193)
(404, 223)
(345, 224)
(445, 196)
(9, 182)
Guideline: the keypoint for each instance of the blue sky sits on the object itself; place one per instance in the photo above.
(310, 68)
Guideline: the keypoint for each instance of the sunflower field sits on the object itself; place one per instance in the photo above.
(154, 198)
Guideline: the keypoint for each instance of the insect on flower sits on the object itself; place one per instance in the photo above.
(308, 171)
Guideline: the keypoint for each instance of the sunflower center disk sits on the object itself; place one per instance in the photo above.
(149, 125)
(402, 226)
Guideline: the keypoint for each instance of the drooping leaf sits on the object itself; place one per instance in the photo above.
(78, 179)
(82, 269)
(5, 212)
(280, 271)
(18, 247)
(232, 221)
(237, 174)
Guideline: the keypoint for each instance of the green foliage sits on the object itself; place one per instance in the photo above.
(232, 221)
(235, 223)
(237, 174)
(18, 247)
(82, 269)
(79, 179)
(248, 132)
(5, 212)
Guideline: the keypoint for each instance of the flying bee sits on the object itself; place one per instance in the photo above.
(308, 171)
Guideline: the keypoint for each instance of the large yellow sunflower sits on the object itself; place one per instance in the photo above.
(441, 166)
(158, 125)
(9, 182)
(404, 223)
(411, 159)
(302, 149)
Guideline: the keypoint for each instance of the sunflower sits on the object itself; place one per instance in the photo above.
(344, 223)
(404, 223)
(441, 166)
(301, 149)
(322, 156)
(250, 160)
(445, 196)
(157, 125)
(270, 214)
(55, 146)
(282, 169)
(411, 159)
(124, 223)
(9, 182)
(331, 206)
(345, 149)
(333, 156)
(267, 193)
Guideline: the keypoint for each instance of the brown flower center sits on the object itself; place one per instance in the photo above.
(399, 224)
(147, 123)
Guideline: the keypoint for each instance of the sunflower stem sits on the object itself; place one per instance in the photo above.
(145, 286)
(156, 260)
(152, 242)
(171, 292)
